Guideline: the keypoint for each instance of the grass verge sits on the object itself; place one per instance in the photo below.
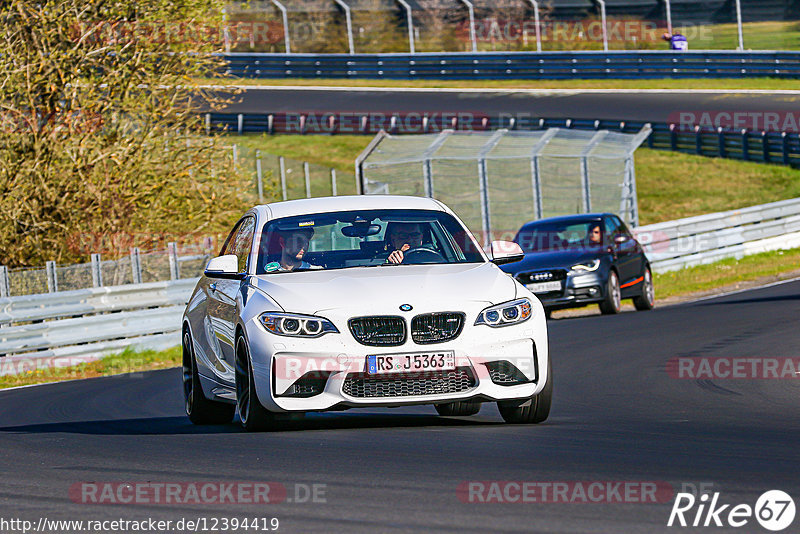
(127, 361)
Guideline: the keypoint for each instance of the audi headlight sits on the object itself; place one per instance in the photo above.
(585, 267)
(514, 312)
(295, 325)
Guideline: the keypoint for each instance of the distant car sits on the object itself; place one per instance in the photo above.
(576, 260)
(355, 302)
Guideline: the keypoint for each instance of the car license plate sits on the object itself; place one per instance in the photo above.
(544, 287)
(381, 364)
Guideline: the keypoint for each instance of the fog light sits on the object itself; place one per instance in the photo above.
(593, 291)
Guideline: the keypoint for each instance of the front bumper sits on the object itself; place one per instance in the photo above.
(287, 370)
(588, 288)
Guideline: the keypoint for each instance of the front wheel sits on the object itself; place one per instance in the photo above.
(201, 411)
(612, 304)
(458, 408)
(254, 416)
(647, 299)
(534, 410)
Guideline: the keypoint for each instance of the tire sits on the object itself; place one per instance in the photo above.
(647, 300)
(612, 304)
(459, 408)
(535, 410)
(254, 417)
(201, 411)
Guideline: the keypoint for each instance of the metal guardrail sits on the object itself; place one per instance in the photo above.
(763, 147)
(56, 330)
(518, 65)
(709, 238)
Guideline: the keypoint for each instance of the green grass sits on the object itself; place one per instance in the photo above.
(128, 361)
(730, 272)
(769, 84)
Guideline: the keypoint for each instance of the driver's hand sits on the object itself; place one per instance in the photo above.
(397, 255)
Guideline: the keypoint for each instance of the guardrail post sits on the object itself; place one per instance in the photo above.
(271, 124)
(765, 146)
(259, 178)
(174, 268)
(136, 267)
(698, 141)
(282, 163)
(745, 146)
(5, 290)
(240, 123)
(786, 150)
(97, 272)
(208, 123)
(52, 277)
(673, 138)
(307, 174)
(333, 182)
(721, 140)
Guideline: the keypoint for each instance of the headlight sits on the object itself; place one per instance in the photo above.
(585, 267)
(514, 312)
(295, 325)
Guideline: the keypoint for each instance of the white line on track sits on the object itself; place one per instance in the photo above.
(737, 291)
(504, 90)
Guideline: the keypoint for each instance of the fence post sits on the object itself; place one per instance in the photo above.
(52, 277)
(5, 290)
(259, 177)
(208, 123)
(765, 146)
(174, 268)
(721, 141)
(486, 217)
(698, 141)
(136, 268)
(97, 272)
(235, 154)
(333, 182)
(270, 124)
(282, 163)
(673, 138)
(786, 151)
(240, 123)
(307, 174)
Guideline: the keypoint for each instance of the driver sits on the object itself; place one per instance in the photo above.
(403, 237)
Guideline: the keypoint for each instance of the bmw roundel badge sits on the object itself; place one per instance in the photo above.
(406, 307)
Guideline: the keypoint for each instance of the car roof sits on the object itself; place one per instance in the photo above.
(291, 208)
(581, 217)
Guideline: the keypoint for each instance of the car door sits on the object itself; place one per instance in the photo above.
(627, 251)
(222, 295)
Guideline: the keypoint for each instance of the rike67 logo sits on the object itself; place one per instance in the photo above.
(774, 510)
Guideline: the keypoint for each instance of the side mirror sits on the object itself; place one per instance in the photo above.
(503, 252)
(226, 267)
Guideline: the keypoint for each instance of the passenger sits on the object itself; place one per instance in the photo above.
(294, 245)
(402, 238)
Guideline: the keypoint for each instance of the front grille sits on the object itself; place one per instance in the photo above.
(436, 327)
(505, 373)
(378, 331)
(362, 385)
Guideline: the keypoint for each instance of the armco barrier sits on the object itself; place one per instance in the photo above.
(765, 147)
(65, 328)
(519, 65)
(709, 238)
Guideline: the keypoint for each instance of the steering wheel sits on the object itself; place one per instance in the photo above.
(420, 253)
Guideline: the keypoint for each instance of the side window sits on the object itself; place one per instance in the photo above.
(612, 227)
(622, 228)
(243, 242)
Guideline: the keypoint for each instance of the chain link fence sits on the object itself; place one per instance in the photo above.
(496, 181)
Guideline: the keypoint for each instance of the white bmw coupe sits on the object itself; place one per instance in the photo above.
(352, 302)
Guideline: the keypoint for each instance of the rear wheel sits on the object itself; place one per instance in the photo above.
(647, 299)
(613, 302)
(254, 416)
(534, 410)
(458, 408)
(201, 411)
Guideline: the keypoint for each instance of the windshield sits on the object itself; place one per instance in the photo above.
(366, 238)
(551, 236)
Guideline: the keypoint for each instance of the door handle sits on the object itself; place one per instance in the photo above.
(213, 286)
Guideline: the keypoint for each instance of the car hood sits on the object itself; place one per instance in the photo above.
(560, 259)
(385, 288)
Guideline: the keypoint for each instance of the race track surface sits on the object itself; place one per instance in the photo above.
(617, 416)
(639, 106)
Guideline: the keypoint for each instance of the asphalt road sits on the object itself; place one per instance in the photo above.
(617, 416)
(643, 106)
